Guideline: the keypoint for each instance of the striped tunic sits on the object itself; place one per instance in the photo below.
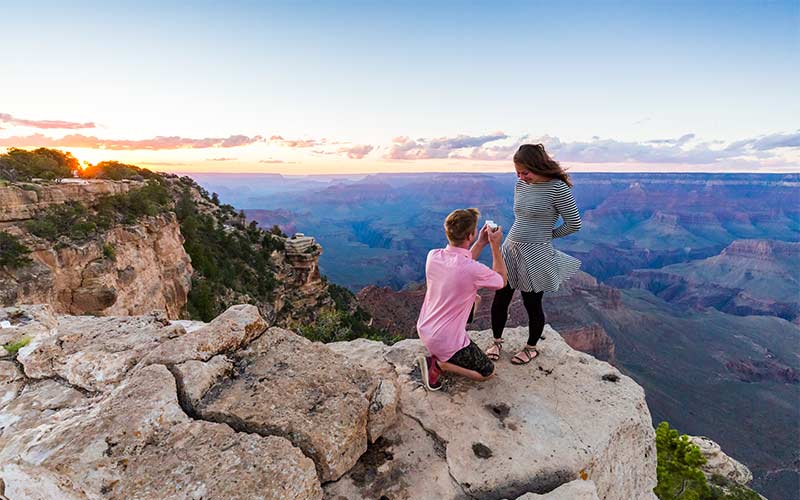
(533, 264)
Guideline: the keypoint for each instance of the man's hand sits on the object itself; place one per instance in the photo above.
(483, 237)
(496, 237)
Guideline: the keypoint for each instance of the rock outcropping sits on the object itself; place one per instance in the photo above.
(141, 407)
(22, 201)
(130, 270)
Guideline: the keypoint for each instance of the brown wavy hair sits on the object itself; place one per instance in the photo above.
(534, 159)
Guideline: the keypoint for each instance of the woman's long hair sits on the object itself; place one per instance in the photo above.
(534, 159)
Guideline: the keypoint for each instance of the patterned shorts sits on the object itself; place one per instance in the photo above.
(473, 358)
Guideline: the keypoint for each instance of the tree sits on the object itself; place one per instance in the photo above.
(678, 470)
(13, 254)
(116, 171)
(42, 163)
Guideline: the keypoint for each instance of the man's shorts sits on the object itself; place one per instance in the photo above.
(473, 358)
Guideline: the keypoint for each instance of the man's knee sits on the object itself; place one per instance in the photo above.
(485, 377)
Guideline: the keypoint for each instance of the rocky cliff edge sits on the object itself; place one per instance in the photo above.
(141, 407)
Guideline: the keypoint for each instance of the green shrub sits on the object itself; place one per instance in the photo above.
(74, 221)
(14, 347)
(109, 252)
(13, 254)
(680, 476)
(71, 219)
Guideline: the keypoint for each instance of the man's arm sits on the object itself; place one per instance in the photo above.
(480, 243)
(498, 264)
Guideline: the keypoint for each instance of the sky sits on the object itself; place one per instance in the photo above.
(352, 87)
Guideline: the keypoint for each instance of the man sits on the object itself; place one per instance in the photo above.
(453, 277)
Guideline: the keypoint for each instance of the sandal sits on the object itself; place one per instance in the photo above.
(525, 356)
(494, 350)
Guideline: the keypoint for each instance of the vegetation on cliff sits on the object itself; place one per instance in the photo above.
(347, 321)
(43, 163)
(13, 254)
(225, 258)
(76, 222)
(680, 476)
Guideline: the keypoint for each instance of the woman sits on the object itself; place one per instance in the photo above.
(541, 194)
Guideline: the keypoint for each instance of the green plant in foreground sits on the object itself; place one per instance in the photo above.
(679, 474)
(678, 471)
(13, 347)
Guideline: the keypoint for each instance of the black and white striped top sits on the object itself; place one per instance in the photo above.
(536, 210)
(533, 264)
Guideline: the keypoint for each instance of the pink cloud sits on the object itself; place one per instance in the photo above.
(45, 124)
(221, 159)
(356, 151)
(154, 144)
(296, 143)
(404, 148)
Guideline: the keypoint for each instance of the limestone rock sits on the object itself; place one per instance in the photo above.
(207, 460)
(25, 323)
(149, 270)
(94, 353)
(574, 490)
(195, 378)
(11, 382)
(136, 442)
(407, 463)
(717, 462)
(288, 386)
(229, 331)
(530, 429)
(384, 405)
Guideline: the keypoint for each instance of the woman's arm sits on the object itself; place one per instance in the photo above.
(566, 207)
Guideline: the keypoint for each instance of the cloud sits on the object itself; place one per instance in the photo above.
(768, 142)
(271, 161)
(221, 159)
(356, 151)
(679, 141)
(154, 144)
(296, 143)
(404, 148)
(163, 163)
(656, 151)
(45, 124)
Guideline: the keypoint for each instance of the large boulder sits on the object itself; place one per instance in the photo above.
(94, 353)
(286, 385)
(231, 330)
(530, 429)
(136, 442)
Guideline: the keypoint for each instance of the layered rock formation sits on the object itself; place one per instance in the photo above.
(149, 270)
(140, 407)
(749, 277)
(22, 201)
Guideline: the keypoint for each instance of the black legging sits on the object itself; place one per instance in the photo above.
(533, 304)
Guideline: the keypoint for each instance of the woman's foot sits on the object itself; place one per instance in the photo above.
(494, 350)
(525, 356)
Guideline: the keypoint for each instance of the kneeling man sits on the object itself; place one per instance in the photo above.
(453, 277)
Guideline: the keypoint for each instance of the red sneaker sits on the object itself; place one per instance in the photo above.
(430, 372)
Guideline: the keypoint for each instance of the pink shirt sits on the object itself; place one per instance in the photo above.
(453, 278)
